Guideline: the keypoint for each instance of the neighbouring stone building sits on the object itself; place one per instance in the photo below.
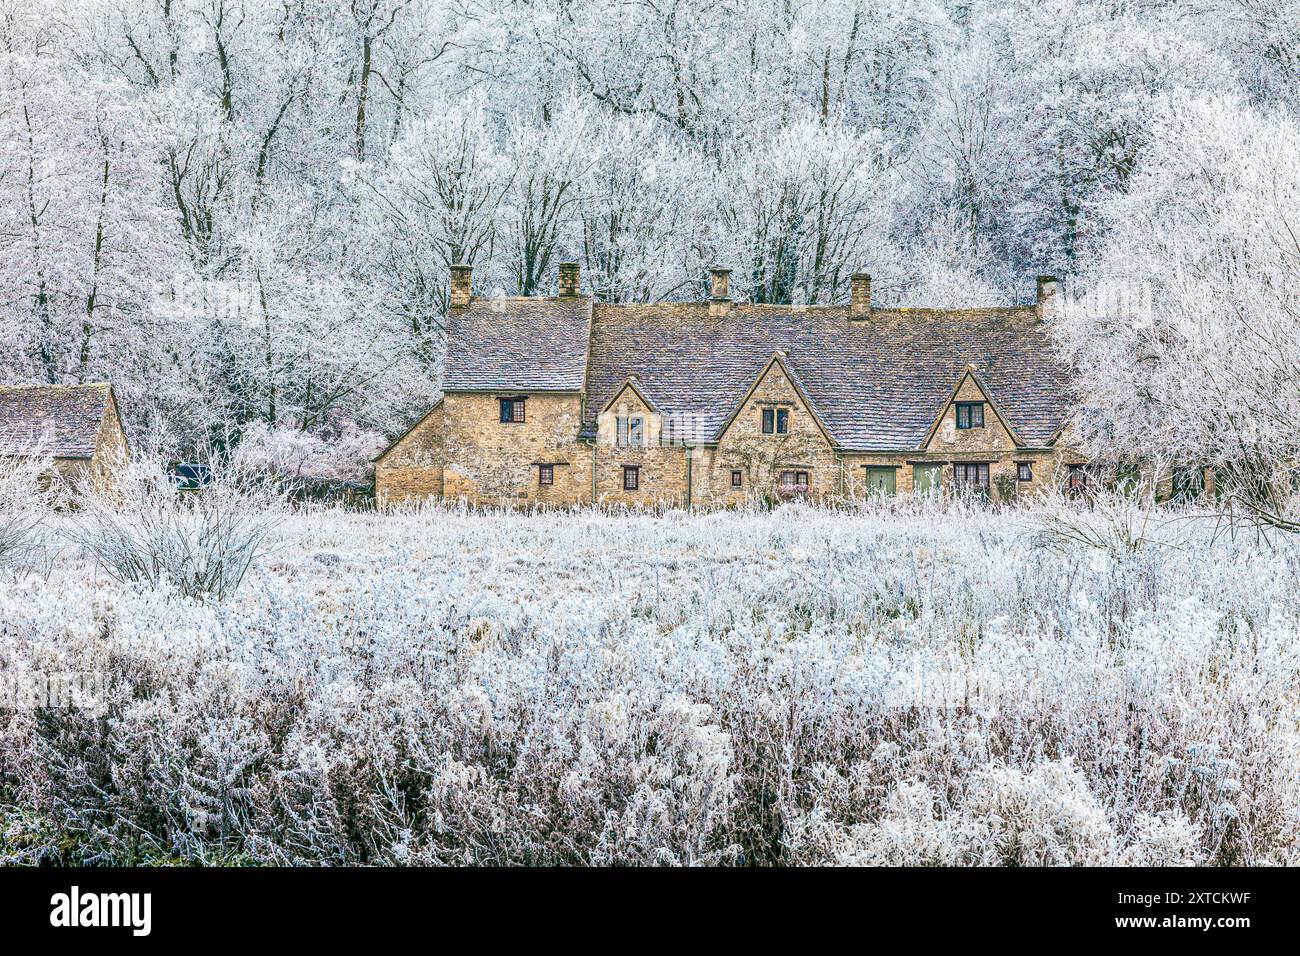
(564, 399)
(77, 426)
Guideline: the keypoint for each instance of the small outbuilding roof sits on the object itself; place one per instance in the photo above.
(62, 421)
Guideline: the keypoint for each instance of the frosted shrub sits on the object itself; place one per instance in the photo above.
(1169, 839)
(1046, 816)
(143, 528)
(1006, 816)
(803, 686)
(1118, 520)
(24, 508)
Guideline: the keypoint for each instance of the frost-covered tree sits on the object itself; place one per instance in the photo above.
(944, 267)
(88, 242)
(805, 208)
(538, 215)
(335, 157)
(434, 202)
(1187, 341)
(643, 207)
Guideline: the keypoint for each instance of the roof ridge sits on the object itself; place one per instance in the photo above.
(55, 385)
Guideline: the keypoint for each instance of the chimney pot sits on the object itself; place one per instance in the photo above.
(461, 285)
(860, 295)
(719, 286)
(1048, 289)
(570, 275)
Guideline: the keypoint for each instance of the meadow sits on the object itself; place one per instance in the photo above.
(928, 684)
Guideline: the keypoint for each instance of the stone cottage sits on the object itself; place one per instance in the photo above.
(78, 426)
(564, 399)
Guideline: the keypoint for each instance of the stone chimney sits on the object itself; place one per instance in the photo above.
(460, 285)
(569, 279)
(719, 284)
(860, 297)
(1048, 289)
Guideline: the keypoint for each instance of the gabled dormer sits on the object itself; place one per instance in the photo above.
(776, 407)
(970, 419)
(630, 419)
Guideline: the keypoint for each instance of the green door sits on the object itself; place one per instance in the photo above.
(925, 479)
(882, 481)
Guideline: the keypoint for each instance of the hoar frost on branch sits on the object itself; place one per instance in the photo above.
(1187, 340)
(800, 686)
(330, 160)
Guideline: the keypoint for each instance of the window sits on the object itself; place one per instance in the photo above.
(794, 481)
(971, 476)
(631, 430)
(1024, 471)
(512, 410)
(970, 414)
(1128, 477)
(631, 477)
(546, 474)
(1189, 485)
(1077, 479)
(776, 421)
(737, 478)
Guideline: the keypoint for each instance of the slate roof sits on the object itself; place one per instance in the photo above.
(878, 383)
(62, 420)
(529, 344)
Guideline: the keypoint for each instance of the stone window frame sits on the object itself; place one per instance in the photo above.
(737, 478)
(632, 472)
(961, 471)
(1024, 471)
(970, 409)
(799, 480)
(545, 475)
(772, 419)
(517, 405)
(623, 431)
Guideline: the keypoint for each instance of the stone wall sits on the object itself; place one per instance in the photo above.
(111, 450)
(488, 461)
(662, 468)
(412, 468)
(949, 439)
(110, 457)
(462, 449)
(762, 457)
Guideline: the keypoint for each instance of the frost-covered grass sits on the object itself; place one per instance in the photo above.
(798, 687)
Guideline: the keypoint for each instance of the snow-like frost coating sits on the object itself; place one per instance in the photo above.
(904, 686)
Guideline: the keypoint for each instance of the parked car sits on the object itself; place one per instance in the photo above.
(190, 476)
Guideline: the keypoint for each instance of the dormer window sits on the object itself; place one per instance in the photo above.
(776, 421)
(631, 431)
(970, 415)
(512, 410)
